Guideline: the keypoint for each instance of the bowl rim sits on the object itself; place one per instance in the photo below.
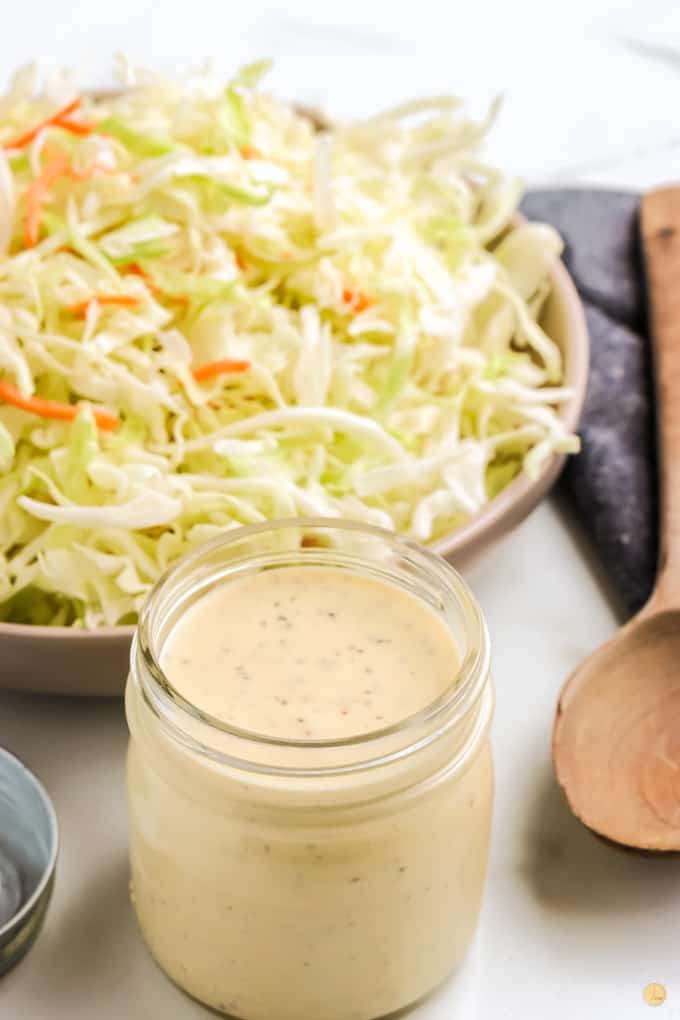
(520, 491)
(523, 488)
(25, 911)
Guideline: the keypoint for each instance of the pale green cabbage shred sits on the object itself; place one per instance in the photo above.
(370, 273)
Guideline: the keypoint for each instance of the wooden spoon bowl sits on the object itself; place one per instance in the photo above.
(623, 764)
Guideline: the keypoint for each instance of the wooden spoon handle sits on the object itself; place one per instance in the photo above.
(660, 222)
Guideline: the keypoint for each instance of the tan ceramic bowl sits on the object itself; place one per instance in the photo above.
(60, 660)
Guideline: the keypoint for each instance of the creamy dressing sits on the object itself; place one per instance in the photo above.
(310, 653)
(305, 898)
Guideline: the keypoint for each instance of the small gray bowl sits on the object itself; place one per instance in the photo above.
(29, 839)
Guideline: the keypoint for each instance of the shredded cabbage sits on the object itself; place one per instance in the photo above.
(369, 274)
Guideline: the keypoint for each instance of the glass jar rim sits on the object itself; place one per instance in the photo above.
(464, 691)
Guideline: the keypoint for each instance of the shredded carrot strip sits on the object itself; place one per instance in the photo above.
(358, 301)
(213, 368)
(53, 408)
(175, 299)
(311, 542)
(239, 260)
(76, 127)
(23, 140)
(58, 165)
(123, 300)
(35, 194)
(249, 152)
(137, 270)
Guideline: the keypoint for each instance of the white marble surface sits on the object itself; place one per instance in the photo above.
(572, 928)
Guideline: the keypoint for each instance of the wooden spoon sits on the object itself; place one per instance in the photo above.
(616, 740)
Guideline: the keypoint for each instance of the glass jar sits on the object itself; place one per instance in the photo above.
(279, 879)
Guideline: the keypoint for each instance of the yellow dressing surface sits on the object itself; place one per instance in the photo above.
(310, 653)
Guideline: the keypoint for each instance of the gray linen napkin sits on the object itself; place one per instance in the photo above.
(612, 482)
